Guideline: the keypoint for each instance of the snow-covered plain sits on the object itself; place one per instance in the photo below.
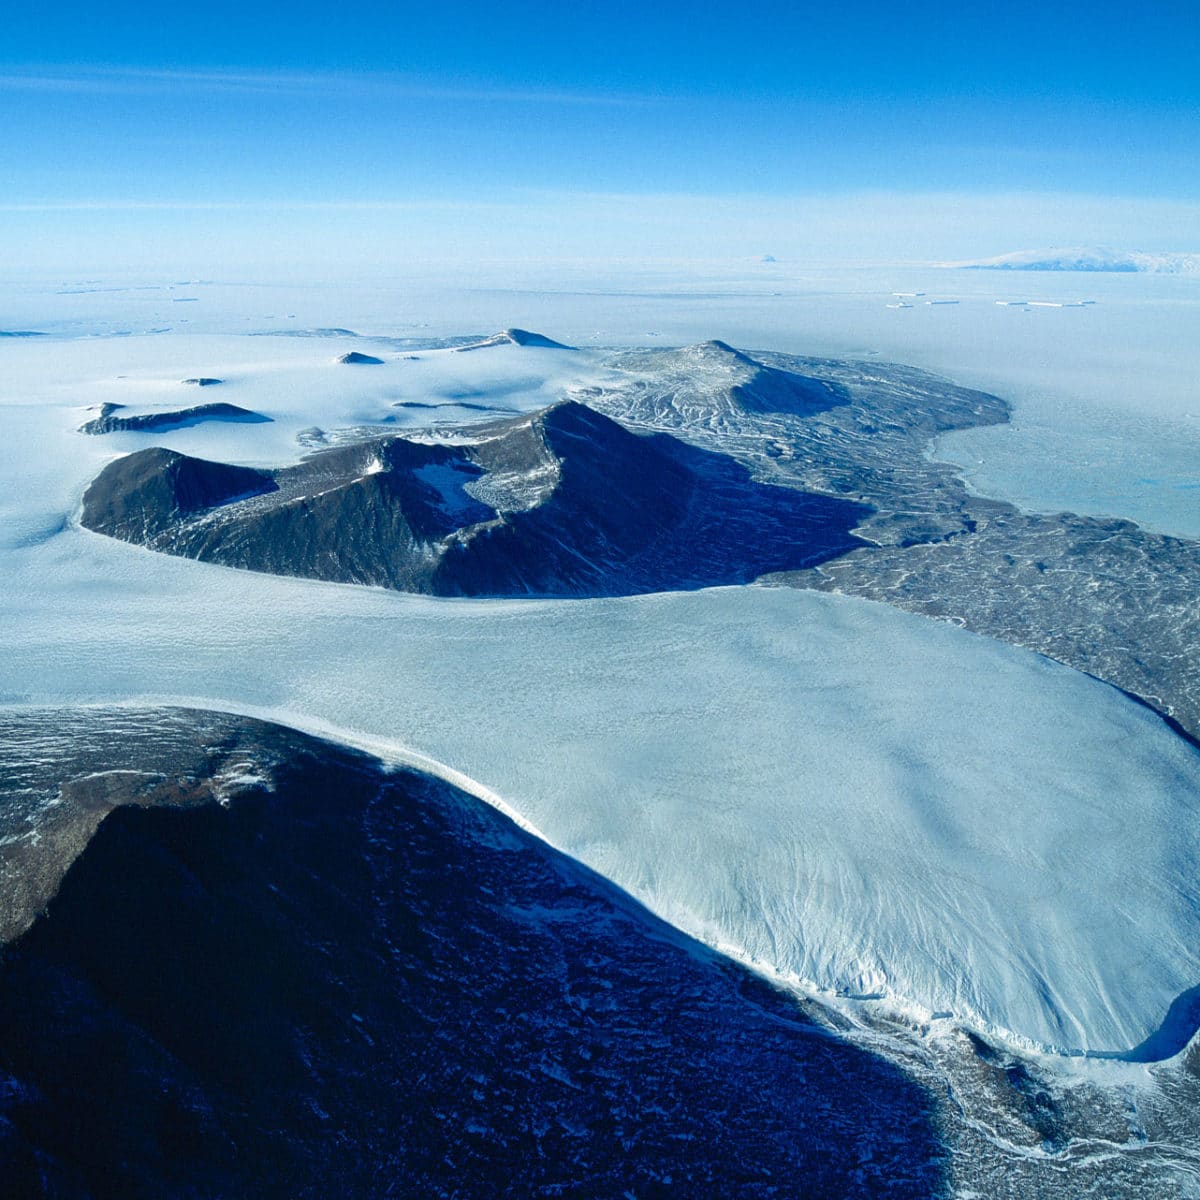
(861, 800)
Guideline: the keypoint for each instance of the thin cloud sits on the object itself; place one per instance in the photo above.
(121, 204)
(138, 81)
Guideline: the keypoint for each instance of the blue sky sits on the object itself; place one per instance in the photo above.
(450, 117)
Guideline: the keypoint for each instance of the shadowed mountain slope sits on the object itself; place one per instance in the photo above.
(566, 502)
(347, 981)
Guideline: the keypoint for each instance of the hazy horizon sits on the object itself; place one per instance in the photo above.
(198, 142)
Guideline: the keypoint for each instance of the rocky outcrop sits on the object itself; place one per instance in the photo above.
(112, 418)
(565, 503)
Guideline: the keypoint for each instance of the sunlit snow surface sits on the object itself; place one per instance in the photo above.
(860, 799)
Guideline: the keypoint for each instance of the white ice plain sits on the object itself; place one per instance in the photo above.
(858, 799)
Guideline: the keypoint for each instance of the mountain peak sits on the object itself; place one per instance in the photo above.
(516, 337)
(715, 346)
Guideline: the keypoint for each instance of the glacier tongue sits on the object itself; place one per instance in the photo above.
(867, 802)
(859, 798)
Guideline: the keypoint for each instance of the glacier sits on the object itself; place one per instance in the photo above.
(859, 801)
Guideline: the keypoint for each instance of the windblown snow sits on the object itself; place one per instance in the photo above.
(861, 800)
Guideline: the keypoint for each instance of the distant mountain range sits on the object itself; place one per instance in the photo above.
(1092, 258)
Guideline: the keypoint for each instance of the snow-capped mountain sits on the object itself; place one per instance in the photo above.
(1094, 258)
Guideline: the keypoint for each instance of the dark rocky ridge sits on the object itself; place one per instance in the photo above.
(566, 502)
(146, 494)
(1103, 596)
(356, 982)
(109, 422)
(63, 770)
(354, 358)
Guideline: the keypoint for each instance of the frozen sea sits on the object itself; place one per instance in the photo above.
(863, 801)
